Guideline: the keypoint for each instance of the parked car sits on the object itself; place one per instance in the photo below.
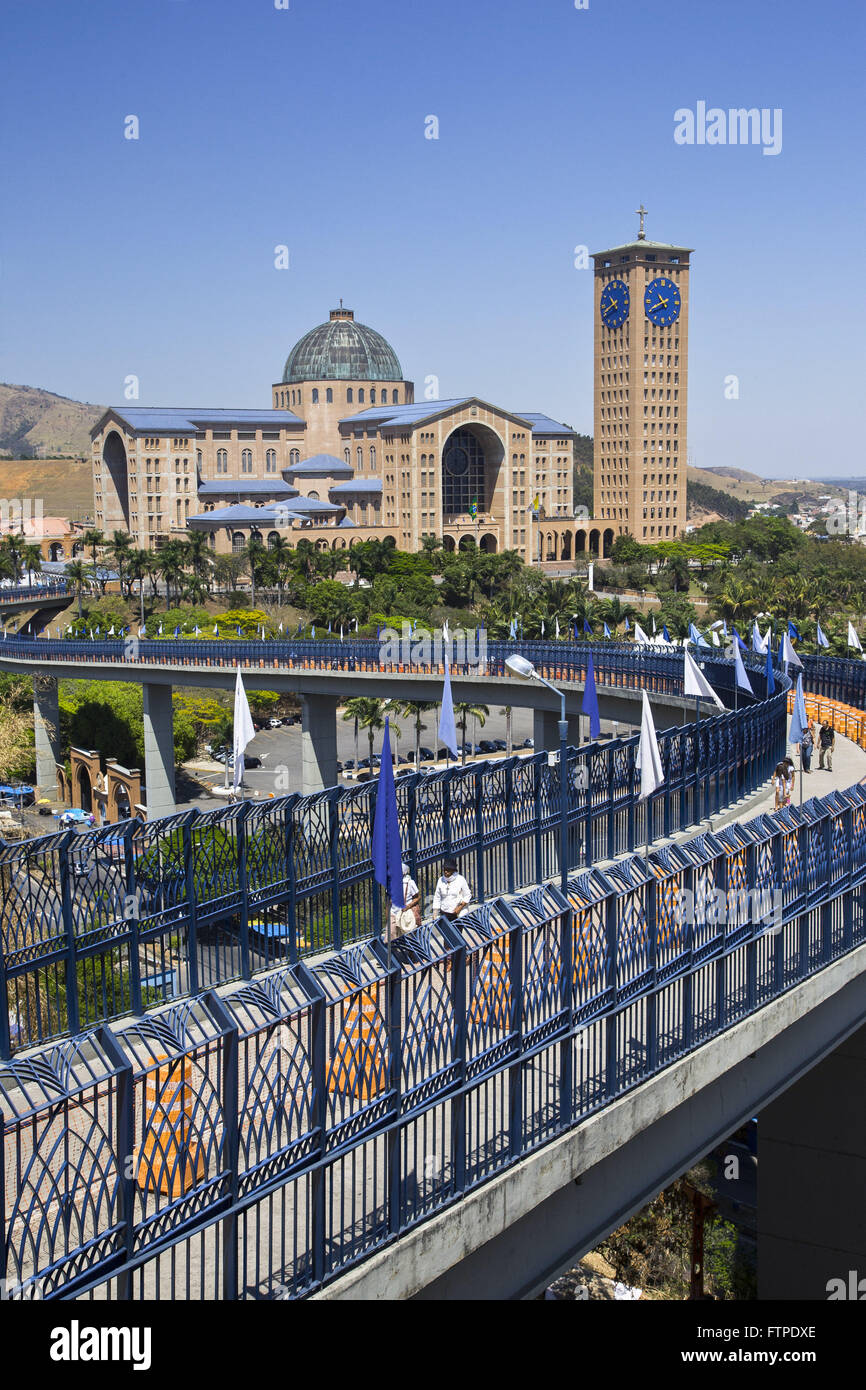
(349, 765)
(427, 754)
(275, 723)
(527, 743)
(487, 746)
(499, 745)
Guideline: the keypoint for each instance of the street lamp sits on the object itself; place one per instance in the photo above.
(524, 669)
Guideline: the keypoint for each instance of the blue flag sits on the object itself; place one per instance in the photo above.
(792, 631)
(587, 626)
(177, 632)
(606, 630)
(387, 852)
(627, 626)
(821, 639)
(799, 719)
(589, 704)
(238, 631)
(447, 727)
(665, 634)
(771, 679)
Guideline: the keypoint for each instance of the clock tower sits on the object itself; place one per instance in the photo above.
(641, 306)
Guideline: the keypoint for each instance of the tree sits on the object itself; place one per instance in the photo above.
(255, 555)
(120, 550)
(171, 560)
(415, 709)
(138, 567)
(78, 573)
(31, 558)
(467, 711)
(370, 714)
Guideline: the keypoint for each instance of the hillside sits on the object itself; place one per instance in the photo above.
(36, 424)
(64, 486)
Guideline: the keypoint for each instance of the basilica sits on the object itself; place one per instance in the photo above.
(345, 453)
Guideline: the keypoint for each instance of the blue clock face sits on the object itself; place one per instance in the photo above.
(614, 304)
(662, 302)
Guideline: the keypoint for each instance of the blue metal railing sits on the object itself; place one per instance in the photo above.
(98, 924)
(260, 1144)
(38, 591)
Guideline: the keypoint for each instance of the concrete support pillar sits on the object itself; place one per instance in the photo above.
(318, 742)
(158, 750)
(545, 730)
(811, 1179)
(46, 721)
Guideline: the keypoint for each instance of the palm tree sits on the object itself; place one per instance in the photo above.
(12, 547)
(139, 567)
(31, 558)
(466, 711)
(613, 612)
(170, 562)
(120, 550)
(94, 538)
(414, 709)
(78, 572)
(370, 714)
(254, 555)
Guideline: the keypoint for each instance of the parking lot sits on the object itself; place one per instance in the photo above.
(280, 752)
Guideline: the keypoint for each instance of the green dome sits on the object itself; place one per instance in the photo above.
(342, 350)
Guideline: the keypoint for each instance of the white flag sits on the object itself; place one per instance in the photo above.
(639, 634)
(790, 657)
(648, 757)
(696, 683)
(716, 642)
(243, 732)
(759, 643)
(556, 620)
(853, 639)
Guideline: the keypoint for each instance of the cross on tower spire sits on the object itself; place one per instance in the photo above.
(641, 212)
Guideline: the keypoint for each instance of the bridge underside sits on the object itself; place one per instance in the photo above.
(511, 1237)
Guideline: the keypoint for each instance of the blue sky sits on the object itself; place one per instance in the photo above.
(305, 127)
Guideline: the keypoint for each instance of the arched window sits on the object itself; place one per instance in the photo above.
(359, 453)
(212, 540)
(294, 457)
(255, 534)
(395, 397)
(247, 461)
(315, 395)
(238, 542)
(198, 458)
(372, 395)
(222, 461)
(372, 456)
(361, 395)
(271, 461)
(350, 396)
(347, 455)
(329, 395)
(273, 537)
(312, 497)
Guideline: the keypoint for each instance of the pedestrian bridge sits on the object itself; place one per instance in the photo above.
(374, 1123)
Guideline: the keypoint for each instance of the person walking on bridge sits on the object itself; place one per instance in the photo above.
(452, 893)
(826, 744)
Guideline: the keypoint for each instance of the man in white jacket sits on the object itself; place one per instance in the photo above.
(452, 892)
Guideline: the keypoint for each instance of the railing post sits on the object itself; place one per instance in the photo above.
(509, 826)
(231, 1140)
(395, 1067)
(241, 829)
(652, 953)
(318, 1116)
(536, 789)
(752, 945)
(291, 877)
(334, 854)
(191, 904)
(610, 1016)
(477, 780)
(124, 1141)
(73, 1018)
(515, 1069)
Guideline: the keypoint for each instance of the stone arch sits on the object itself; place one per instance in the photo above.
(448, 543)
(579, 542)
(55, 551)
(550, 545)
(83, 787)
(472, 457)
(607, 541)
(115, 485)
(466, 543)
(488, 544)
(77, 549)
(565, 546)
(593, 541)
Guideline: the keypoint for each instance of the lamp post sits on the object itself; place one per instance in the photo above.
(524, 669)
